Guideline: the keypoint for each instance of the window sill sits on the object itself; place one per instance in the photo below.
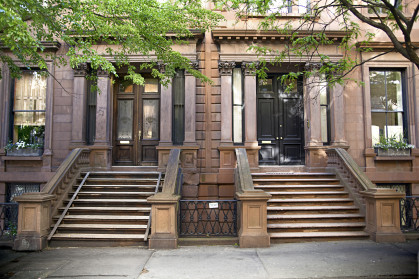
(21, 158)
(286, 16)
(394, 158)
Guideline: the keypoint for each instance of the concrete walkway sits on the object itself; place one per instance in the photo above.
(345, 259)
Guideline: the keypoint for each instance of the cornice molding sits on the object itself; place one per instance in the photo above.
(48, 46)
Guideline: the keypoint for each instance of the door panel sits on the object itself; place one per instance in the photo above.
(280, 123)
(136, 123)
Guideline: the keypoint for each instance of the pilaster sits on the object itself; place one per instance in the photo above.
(226, 73)
(337, 113)
(190, 104)
(79, 105)
(250, 104)
(166, 112)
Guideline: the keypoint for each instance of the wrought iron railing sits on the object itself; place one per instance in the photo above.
(8, 220)
(409, 211)
(208, 218)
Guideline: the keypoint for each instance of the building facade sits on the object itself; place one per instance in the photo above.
(131, 127)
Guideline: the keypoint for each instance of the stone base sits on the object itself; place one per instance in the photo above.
(29, 243)
(162, 243)
(388, 237)
(254, 241)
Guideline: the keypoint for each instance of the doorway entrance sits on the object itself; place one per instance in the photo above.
(136, 123)
(280, 122)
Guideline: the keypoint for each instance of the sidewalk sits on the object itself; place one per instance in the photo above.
(344, 259)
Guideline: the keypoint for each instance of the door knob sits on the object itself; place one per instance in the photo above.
(277, 138)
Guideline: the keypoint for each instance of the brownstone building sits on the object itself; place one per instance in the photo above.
(288, 137)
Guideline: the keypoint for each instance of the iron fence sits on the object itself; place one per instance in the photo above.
(409, 209)
(8, 220)
(208, 218)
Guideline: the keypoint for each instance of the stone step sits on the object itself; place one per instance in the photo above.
(342, 234)
(318, 201)
(315, 209)
(313, 216)
(113, 186)
(112, 201)
(310, 180)
(301, 187)
(102, 226)
(108, 209)
(115, 194)
(103, 217)
(76, 236)
(315, 225)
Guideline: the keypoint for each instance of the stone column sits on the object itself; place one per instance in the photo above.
(190, 105)
(34, 221)
(312, 104)
(78, 132)
(102, 147)
(337, 113)
(166, 113)
(226, 73)
(253, 219)
(383, 215)
(250, 105)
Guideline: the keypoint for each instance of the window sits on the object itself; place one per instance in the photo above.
(283, 7)
(238, 106)
(388, 117)
(374, 8)
(325, 113)
(178, 87)
(91, 113)
(28, 107)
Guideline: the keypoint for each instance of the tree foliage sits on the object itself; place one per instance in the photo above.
(359, 21)
(123, 27)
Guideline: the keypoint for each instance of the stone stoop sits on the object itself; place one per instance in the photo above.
(110, 210)
(309, 207)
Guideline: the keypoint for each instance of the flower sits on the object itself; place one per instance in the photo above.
(393, 142)
(21, 145)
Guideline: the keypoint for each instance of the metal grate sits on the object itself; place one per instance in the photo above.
(208, 218)
(8, 220)
(409, 209)
(17, 189)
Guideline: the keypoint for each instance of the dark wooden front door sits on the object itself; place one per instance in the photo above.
(280, 122)
(136, 123)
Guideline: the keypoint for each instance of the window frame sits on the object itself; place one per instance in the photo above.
(328, 119)
(178, 129)
(91, 104)
(404, 95)
(242, 105)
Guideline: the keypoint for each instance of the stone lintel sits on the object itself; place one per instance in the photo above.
(254, 195)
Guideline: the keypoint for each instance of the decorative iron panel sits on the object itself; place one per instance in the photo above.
(409, 209)
(208, 218)
(8, 220)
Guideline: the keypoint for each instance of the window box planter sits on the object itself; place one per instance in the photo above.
(393, 152)
(25, 152)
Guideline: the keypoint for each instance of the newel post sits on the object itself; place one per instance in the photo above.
(383, 214)
(33, 221)
(253, 219)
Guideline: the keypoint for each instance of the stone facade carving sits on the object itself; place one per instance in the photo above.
(81, 70)
(249, 68)
(102, 73)
(226, 68)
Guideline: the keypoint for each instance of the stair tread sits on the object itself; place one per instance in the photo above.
(105, 217)
(294, 173)
(97, 236)
(123, 172)
(310, 193)
(108, 208)
(315, 225)
(115, 193)
(319, 234)
(314, 216)
(117, 186)
(301, 186)
(110, 200)
(102, 226)
(295, 179)
(312, 200)
(325, 207)
(120, 179)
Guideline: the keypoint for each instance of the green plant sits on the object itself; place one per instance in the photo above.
(21, 145)
(393, 142)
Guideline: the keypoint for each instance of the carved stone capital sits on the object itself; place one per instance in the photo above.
(162, 67)
(81, 70)
(194, 65)
(102, 73)
(226, 68)
(249, 68)
(309, 66)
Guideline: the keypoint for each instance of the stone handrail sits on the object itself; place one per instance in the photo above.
(243, 177)
(173, 177)
(66, 174)
(350, 174)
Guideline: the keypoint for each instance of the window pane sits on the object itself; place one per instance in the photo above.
(394, 91)
(323, 94)
(237, 87)
(378, 90)
(125, 109)
(29, 118)
(303, 6)
(265, 86)
(378, 123)
(151, 85)
(395, 124)
(150, 119)
(30, 92)
(289, 82)
(237, 124)
(323, 113)
(126, 88)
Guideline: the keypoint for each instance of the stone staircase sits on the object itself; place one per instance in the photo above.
(309, 206)
(110, 210)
